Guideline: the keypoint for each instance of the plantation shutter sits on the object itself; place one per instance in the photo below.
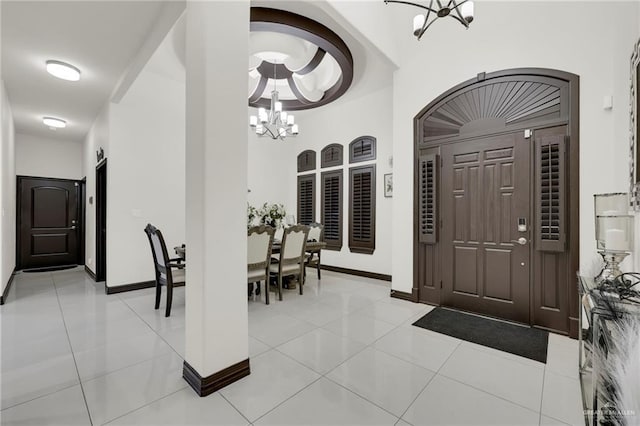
(362, 149)
(550, 193)
(362, 209)
(306, 199)
(332, 209)
(307, 161)
(428, 184)
(331, 156)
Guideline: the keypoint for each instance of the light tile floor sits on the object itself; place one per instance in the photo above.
(344, 353)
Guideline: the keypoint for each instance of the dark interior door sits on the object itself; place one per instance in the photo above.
(101, 222)
(485, 197)
(47, 222)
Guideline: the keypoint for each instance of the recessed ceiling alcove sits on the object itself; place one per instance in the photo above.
(309, 64)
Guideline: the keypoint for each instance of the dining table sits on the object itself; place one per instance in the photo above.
(312, 246)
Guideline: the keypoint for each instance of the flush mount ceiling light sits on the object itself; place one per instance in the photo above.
(63, 70)
(461, 11)
(54, 123)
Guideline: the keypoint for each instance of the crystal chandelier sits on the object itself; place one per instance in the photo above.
(461, 11)
(274, 123)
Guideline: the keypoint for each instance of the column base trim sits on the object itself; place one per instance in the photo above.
(5, 293)
(207, 385)
(130, 287)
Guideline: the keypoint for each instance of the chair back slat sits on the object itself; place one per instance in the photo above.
(259, 244)
(158, 248)
(315, 232)
(293, 243)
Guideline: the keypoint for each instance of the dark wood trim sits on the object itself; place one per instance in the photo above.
(90, 272)
(370, 157)
(207, 385)
(283, 22)
(130, 287)
(5, 293)
(366, 274)
(362, 246)
(311, 177)
(403, 295)
(573, 327)
(82, 219)
(101, 194)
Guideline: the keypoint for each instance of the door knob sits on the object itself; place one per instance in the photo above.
(73, 227)
(522, 241)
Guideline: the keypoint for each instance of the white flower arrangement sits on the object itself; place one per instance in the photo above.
(269, 214)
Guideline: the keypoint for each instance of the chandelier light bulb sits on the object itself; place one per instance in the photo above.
(290, 120)
(467, 11)
(278, 107)
(418, 22)
(294, 129)
(284, 116)
(253, 121)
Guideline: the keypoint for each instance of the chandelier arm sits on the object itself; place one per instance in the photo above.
(458, 9)
(412, 4)
(460, 19)
(424, 30)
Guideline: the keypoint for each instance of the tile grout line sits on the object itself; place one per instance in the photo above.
(544, 376)
(430, 380)
(231, 404)
(73, 355)
(145, 405)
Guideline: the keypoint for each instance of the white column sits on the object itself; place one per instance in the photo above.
(217, 49)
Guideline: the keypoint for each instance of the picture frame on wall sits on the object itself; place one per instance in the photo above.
(388, 185)
(634, 130)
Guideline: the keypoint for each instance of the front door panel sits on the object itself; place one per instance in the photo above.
(485, 196)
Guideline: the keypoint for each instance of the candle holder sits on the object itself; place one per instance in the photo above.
(614, 236)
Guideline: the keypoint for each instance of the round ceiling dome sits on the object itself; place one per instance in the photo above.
(307, 63)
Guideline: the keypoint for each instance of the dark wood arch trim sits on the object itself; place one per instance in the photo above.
(573, 129)
(283, 22)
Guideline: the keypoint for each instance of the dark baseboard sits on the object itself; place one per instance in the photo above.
(90, 272)
(411, 297)
(129, 287)
(5, 293)
(207, 385)
(365, 274)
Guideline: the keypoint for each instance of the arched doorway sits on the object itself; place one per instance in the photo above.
(496, 201)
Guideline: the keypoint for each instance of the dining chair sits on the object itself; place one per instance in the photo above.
(290, 261)
(259, 245)
(169, 272)
(312, 257)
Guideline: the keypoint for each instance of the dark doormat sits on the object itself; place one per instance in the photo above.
(519, 340)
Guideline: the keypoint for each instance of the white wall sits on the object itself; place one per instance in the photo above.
(595, 44)
(342, 122)
(271, 165)
(38, 156)
(7, 191)
(146, 175)
(98, 137)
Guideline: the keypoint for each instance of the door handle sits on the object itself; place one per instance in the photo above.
(522, 241)
(73, 227)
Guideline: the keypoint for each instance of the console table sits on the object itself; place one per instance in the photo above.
(597, 332)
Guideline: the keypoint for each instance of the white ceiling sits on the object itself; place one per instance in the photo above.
(99, 37)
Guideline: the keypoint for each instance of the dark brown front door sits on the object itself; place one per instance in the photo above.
(47, 222)
(485, 197)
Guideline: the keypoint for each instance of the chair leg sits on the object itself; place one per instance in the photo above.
(280, 286)
(266, 289)
(301, 275)
(158, 294)
(169, 299)
(318, 265)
